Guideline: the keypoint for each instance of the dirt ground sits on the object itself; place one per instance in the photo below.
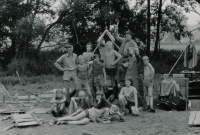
(159, 123)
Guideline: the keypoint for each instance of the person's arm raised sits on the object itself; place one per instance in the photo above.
(101, 37)
(116, 35)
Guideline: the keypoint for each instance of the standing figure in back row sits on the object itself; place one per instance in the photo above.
(148, 83)
(88, 54)
(126, 43)
(111, 60)
(67, 64)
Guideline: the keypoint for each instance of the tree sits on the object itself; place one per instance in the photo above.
(173, 20)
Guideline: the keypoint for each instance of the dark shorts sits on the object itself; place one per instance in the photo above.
(99, 81)
(111, 71)
(130, 104)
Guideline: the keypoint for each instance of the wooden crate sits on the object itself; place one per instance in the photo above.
(28, 119)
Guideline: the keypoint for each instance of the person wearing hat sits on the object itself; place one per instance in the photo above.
(126, 43)
(67, 64)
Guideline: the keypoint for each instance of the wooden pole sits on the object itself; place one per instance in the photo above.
(6, 91)
(177, 61)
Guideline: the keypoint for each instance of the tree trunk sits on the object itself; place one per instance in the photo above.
(148, 28)
(158, 28)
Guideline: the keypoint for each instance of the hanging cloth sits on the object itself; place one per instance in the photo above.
(190, 56)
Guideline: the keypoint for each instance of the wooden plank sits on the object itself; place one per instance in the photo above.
(41, 110)
(6, 91)
(192, 117)
(32, 123)
(35, 118)
(197, 119)
(25, 120)
(20, 116)
(32, 97)
(18, 119)
(46, 95)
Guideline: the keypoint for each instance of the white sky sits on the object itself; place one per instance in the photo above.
(193, 18)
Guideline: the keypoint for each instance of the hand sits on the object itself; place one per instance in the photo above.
(65, 69)
(119, 85)
(126, 95)
(106, 31)
(113, 64)
(116, 28)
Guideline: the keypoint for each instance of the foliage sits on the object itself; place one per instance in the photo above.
(173, 21)
(32, 67)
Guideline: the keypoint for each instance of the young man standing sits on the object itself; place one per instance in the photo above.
(126, 43)
(67, 64)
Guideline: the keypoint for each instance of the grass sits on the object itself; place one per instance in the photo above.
(41, 84)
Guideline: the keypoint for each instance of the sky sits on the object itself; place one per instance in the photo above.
(193, 18)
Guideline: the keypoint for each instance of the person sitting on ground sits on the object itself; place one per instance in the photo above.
(99, 73)
(88, 54)
(148, 83)
(82, 77)
(58, 103)
(104, 115)
(100, 101)
(128, 98)
(78, 104)
(121, 74)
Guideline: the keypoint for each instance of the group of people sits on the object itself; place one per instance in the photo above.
(123, 69)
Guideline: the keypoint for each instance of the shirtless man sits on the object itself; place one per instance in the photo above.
(102, 47)
(148, 83)
(112, 57)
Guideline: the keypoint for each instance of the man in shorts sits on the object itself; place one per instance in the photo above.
(67, 64)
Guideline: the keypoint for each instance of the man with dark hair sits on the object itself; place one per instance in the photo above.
(126, 43)
(67, 64)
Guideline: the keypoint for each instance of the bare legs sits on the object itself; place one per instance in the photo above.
(149, 97)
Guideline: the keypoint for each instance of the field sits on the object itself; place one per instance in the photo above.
(175, 46)
(159, 123)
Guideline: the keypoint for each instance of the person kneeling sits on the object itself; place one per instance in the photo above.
(128, 98)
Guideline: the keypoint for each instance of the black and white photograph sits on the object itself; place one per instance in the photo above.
(99, 67)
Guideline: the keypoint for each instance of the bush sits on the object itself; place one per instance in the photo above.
(32, 67)
(45, 65)
(163, 62)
